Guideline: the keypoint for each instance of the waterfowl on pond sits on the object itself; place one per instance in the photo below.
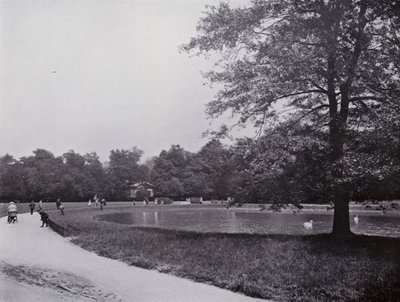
(308, 225)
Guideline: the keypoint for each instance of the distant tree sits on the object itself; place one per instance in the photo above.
(284, 168)
(217, 168)
(41, 175)
(11, 180)
(172, 188)
(82, 177)
(143, 172)
(330, 62)
(196, 184)
(149, 163)
(96, 173)
(124, 170)
(169, 172)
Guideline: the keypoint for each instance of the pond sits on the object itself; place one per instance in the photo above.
(252, 221)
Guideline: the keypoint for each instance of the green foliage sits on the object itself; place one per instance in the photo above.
(72, 177)
(11, 181)
(218, 168)
(376, 149)
(208, 173)
(278, 168)
(168, 173)
(123, 170)
(42, 174)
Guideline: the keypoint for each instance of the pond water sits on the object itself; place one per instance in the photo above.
(252, 221)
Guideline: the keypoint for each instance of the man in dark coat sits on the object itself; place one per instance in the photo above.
(32, 206)
(44, 217)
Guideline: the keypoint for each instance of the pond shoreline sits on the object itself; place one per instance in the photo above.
(250, 219)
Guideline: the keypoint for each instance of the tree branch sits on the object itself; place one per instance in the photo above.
(366, 98)
(309, 112)
(322, 89)
(300, 93)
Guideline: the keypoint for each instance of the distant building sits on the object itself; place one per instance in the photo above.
(142, 190)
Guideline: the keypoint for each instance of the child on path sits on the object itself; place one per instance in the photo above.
(44, 217)
(32, 206)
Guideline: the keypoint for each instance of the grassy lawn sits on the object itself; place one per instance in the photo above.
(278, 267)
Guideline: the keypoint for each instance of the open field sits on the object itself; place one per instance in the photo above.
(278, 267)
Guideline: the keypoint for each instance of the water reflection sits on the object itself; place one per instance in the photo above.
(252, 221)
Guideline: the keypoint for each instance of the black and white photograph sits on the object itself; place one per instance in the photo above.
(199, 150)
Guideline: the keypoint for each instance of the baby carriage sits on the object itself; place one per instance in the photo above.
(12, 213)
(12, 217)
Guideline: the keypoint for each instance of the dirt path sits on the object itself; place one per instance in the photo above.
(38, 263)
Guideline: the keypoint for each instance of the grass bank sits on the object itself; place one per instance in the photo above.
(278, 267)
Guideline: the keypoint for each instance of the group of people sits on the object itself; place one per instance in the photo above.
(97, 202)
(32, 206)
(12, 211)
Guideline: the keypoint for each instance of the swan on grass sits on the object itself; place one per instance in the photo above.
(308, 225)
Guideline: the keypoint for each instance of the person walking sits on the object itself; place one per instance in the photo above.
(40, 205)
(44, 217)
(89, 203)
(32, 206)
(58, 202)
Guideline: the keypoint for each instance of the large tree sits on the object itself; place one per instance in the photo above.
(41, 174)
(280, 168)
(11, 179)
(329, 61)
(124, 170)
(217, 167)
(170, 171)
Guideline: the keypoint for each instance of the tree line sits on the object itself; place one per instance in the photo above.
(275, 168)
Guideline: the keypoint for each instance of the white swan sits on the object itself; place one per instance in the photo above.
(308, 225)
(356, 219)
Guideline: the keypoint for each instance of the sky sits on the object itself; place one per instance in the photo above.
(92, 76)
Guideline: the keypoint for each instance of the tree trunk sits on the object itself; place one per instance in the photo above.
(341, 218)
(341, 221)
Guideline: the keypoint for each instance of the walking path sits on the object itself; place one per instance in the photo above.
(38, 264)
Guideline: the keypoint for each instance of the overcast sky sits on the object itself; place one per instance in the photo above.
(100, 75)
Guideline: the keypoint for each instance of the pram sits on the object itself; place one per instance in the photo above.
(12, 217)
